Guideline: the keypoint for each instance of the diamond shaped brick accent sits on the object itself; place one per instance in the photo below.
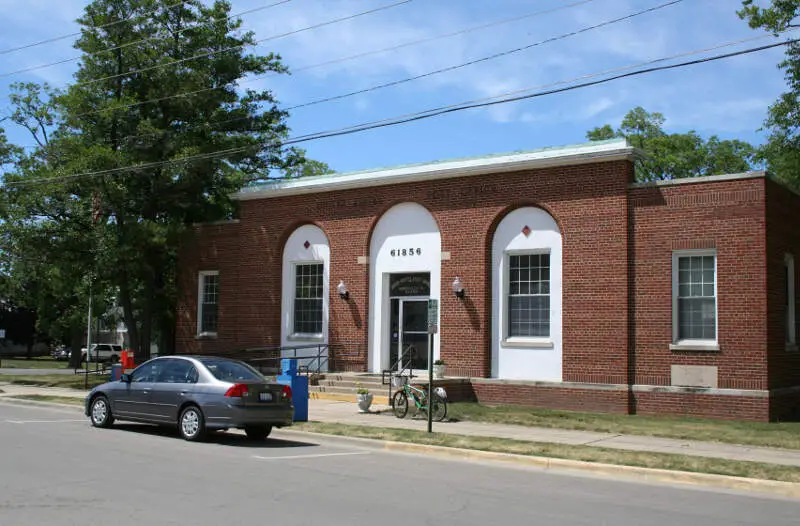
(526, 230)
(306, 244)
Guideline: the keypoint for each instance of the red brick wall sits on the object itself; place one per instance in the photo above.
(698, 405)
(588, 201)
(783, 220)
(547, 397)
(726, 216)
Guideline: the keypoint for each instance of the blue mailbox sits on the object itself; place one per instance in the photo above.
(299, 385)
(116, 372)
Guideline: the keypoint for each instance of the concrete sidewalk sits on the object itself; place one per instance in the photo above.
(347, 413)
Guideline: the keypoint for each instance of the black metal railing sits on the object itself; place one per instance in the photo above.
(398, 370)
(312, 359)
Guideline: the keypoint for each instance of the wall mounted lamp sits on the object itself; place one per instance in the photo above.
(458, 288)
(341, 288)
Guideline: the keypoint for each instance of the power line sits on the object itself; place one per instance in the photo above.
(140, 41)
(403, 81)
(487, 58)
(63, 37)
(415, 42)
(501, 99)
(442, 111)
(240, 46)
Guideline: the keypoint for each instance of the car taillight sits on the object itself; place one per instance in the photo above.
(286, 394)
(238, 390)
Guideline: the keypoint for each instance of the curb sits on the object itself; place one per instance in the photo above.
(634, 473)
(21, 401)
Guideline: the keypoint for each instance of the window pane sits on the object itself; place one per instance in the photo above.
(697, 318)
(308, 299)
(529, 296)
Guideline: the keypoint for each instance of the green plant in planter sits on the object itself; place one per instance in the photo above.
(438, 362)
(361, 390)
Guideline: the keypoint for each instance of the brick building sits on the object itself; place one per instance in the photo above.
(581, 288)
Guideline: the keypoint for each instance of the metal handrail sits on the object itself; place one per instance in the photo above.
(399, 364)
(316, 362)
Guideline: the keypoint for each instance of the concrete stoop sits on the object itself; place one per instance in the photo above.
(343, 386)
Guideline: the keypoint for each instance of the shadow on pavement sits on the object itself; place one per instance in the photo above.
(214, 437)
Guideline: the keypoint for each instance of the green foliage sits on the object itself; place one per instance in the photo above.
(120, 112)
(675, 155)
(782, 150)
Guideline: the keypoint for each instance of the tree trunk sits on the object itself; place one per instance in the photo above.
(76, 341)
(146, 337)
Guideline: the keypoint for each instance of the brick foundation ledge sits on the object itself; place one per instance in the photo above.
(727, 404)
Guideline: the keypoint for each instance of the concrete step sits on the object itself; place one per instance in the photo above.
(344, 390)
(349, 397)
(371, 385)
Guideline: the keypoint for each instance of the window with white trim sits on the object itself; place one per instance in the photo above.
(791, 329)
(207, 302)
(308, 291)
(694, 292)
(529, 295)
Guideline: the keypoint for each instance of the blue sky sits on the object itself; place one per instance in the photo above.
(727, 98)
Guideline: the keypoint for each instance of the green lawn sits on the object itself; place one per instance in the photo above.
(72, 381)
(40, 362)
(584, 453)
(782, 435)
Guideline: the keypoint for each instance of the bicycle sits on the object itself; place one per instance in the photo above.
(420, 398)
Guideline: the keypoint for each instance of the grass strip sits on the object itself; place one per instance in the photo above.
(570, 452)
(70, 381)
(764, 434)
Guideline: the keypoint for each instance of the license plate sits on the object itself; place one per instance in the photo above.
(265, 397)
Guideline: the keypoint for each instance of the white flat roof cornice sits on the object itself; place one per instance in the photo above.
(601, 151)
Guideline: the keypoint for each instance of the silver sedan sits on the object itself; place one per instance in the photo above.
(196, 393)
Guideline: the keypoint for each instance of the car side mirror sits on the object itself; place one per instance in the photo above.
(126, 378)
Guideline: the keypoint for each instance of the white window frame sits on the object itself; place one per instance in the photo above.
(201, 278)
(790, 329)
(536, 342)
(693, 344)
(313, 336)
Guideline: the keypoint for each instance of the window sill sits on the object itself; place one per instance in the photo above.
(528, 343)
(705, 347)
(206, 336)
(315, 338)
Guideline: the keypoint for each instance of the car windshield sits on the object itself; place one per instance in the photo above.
(230, 371)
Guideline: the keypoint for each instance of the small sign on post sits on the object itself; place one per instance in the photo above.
(433, 328)
(433, 316)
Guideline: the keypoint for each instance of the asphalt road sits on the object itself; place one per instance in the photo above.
(57, 470)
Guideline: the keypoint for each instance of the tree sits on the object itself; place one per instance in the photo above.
(782, 149)
(195, 150)
(676, 155)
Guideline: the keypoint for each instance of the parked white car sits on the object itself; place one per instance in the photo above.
(103, 352)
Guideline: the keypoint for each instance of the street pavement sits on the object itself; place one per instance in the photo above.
(56, 469)
(346, 413)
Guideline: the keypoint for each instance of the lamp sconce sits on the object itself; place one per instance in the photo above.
(458, 288)
(341, 288)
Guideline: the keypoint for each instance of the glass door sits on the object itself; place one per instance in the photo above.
(414, 333)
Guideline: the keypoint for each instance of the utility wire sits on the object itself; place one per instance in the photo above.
(410, 79)
(63, 37)
(240, 46)
(143, 40)
(424, 115)
(487, 58)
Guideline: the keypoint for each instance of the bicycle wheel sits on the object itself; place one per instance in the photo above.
(439, 408)
(400, 404)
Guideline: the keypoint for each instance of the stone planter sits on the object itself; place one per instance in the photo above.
(364, 401)
(438, 370)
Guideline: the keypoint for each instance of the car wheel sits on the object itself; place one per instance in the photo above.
(258, 432)
(192, 425)
(100, 412)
